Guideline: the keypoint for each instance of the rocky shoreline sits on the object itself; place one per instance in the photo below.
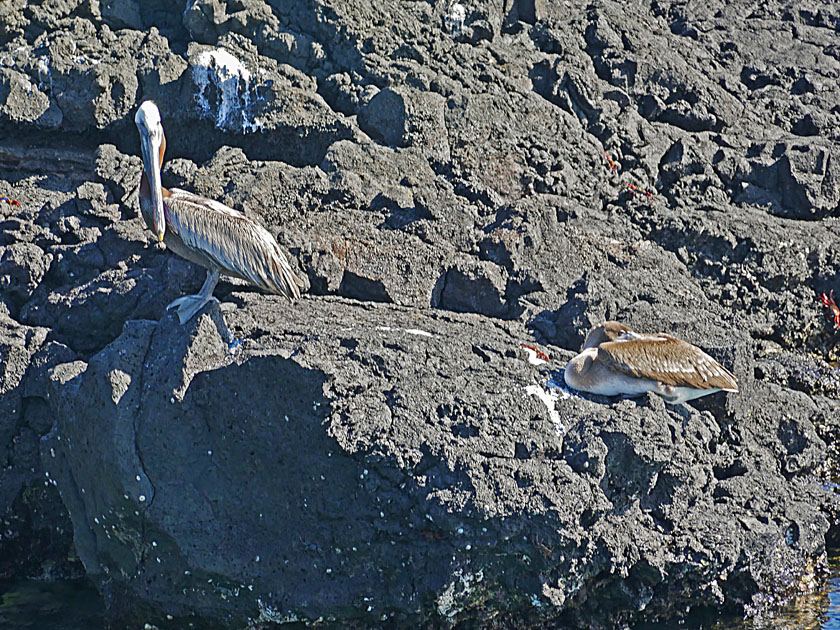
(452, 183)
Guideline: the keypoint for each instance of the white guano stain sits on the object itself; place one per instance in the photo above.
(533, 357)
(45, 77)
(417, 331)
(270, 614)
(410, 331)
(549, 398)
(454, 19)
(232, 80)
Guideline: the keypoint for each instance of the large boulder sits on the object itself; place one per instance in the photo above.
(372, 464)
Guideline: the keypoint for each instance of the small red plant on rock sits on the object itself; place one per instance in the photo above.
(11, 202)
(828, 302)
(539, 354)
(640, 191)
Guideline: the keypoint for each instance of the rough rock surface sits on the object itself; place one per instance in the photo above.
(453, 180)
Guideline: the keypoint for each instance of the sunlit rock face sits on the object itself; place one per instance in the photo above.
(454, 180)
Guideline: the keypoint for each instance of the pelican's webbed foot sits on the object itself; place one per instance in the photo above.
(189, 305)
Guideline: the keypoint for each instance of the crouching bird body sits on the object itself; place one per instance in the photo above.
(206, 232)
(616, 361)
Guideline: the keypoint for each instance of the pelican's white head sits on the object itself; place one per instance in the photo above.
(152, 146)
(148, 115)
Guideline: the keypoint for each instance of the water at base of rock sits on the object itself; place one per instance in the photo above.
(76, 605)
(59, 605)
(816, 611)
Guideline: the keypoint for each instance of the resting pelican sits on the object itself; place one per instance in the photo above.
(204, 231)
(615, 360)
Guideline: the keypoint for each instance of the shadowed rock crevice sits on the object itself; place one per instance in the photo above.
(360, 288)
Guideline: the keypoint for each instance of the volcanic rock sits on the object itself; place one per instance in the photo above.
(453, 181)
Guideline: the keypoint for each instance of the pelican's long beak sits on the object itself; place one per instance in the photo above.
(150, 148)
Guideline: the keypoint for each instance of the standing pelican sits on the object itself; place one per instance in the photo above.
(615, 360)
(204, 231)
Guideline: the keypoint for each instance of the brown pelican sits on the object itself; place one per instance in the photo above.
(615, 360)
(204, 231)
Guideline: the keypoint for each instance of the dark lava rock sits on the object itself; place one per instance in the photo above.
(37, 540)
(384, 118)
(474, 288)
(25, 103)
(452, 180)
(404, 117)
(22, 267)
(439, 479)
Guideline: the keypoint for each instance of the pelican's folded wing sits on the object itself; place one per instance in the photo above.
(235, 242)
(668, 360)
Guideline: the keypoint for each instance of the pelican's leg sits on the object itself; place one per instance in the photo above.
(189, 305)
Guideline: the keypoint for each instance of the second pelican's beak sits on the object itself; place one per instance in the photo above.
(150, 147)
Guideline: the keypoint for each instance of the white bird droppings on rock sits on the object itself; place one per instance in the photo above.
(454, 20)
(417, 331)
(549, 399)
(533, 357)
(233, 82)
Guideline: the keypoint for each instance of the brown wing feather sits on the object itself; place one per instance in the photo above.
(668, 360)
(231, 240)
